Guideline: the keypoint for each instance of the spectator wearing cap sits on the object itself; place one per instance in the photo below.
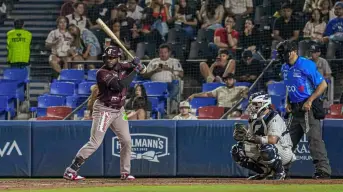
(249, 69)
(220, 68)
(134, 11)
(322, 64)
(226, 95)
(78, 17)
(334, 32)
(185, 112)
(285, 27)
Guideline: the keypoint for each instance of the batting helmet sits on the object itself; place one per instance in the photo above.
(111, 52)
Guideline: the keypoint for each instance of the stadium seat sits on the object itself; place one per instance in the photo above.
(47, 100)
(211, 86)
(277, 88)
(8, 88)
(156, 89)
(335, 112)
(7, 107)
(73, 75)
(146, 49)
(177, 36)
(19, 74)
(62, 88)
(84, 88)
(58, 111)
(259, 12)
(205, 35)
(210, 112)
(199, 50)
(45, 118)
(158, 107)
(75, 100)
(91, 75)
(244, 84)
(201, 102)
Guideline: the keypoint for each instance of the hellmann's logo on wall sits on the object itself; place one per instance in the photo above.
(303, 152)
(10, 148)
(144, 146)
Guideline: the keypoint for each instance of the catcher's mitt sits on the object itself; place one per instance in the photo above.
(240, 133)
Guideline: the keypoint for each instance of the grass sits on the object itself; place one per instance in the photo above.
(204, 188)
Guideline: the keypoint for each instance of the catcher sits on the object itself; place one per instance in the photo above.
(265, 147)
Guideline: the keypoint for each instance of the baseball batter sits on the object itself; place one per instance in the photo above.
(113, 80)
(265, 147)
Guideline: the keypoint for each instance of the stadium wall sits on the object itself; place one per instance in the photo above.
(160, 148)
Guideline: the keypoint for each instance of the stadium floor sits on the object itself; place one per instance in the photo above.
(35, 184)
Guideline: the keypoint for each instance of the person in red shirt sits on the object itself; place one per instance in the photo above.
(225, 38)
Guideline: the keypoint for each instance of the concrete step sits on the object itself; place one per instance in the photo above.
(38, 6)
(42, 1)
(35, 17)
(32, 23)
(3, 35)
(31, 29)
(36, 11)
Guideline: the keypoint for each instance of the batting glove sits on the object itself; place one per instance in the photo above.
(136, 61)
(140, 68)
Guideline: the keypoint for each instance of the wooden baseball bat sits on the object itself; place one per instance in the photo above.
(113, 36)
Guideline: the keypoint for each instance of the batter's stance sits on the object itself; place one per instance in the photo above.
(305, 85)
(113, 79)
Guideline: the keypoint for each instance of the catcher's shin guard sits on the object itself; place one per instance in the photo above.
(272, 159)
(238, 155)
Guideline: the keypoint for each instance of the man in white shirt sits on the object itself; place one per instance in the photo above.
(166, 69)
(185, 114)
(77, 18)
(134, 10)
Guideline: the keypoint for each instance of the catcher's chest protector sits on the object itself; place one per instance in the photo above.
(257, 127)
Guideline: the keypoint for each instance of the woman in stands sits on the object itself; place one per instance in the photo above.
(250, 38)
(211, 14)
(115, 27)
(85, 43)
(59, 41)
(138, 91)
(223, 65)
(139, 110)
(313, 32)
(185, 18)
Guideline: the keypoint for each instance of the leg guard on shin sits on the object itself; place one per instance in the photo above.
(270, 157)
(238, 155)
(77, 163)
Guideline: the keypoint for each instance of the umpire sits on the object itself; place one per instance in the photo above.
(305, 85)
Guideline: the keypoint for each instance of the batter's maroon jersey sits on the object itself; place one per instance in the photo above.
(115, 95)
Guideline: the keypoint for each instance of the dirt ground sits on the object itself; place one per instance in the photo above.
(6, 184)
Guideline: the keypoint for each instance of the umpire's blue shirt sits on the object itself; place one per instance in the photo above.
(301, 79)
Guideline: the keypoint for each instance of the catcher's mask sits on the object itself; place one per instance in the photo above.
(258, 103)
(284, 49)
(111, 53)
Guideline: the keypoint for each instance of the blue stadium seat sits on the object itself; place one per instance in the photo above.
(6, 105)
(202, 101)
(85, 87)
(8, 88)
(62, 88)
(156, 89)
(75, 100)
(47, 100)
(211, 86)
(73, 75)
(157, 105)
(277, 88)
(91, 75)
(19, 74)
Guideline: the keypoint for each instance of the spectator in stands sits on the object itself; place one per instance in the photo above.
(78, 18)
(226, 95)
(126, 23)
(223, 66)
(166, 69)
(102, 9)
(296, 5)
(225, 38)
(250, 39)
(67, 7)
(185, 112)
(313, 32)
(327, 10)
(322, 64)
(239, 8)
(138, 91)
(116, 29)
(211, 14)
(18, 45)
(85, 43)
(139, 110)
(134, 11)
(249, 69)
(285, 27)
(333, 32)
(185, 18)
(59, 41)
(311, 5)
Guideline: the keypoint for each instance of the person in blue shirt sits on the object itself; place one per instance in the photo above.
(334, 32)
(305, 85)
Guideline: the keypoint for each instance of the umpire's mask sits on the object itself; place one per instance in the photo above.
(284, 49)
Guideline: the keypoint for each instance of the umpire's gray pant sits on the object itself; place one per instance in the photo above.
(314, 137)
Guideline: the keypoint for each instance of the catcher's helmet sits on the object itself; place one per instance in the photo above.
(284, 48)
(258, 103)
(111, 52)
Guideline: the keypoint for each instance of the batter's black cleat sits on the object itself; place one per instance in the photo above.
(319, 174)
